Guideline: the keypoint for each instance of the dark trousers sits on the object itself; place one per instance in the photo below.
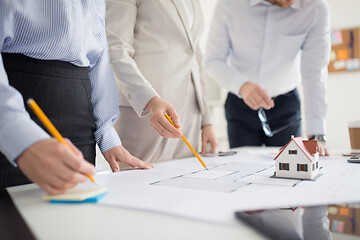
(62, 90)
(244, 126)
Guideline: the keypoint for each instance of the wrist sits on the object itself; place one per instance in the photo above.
(319, 138)
(152, 102)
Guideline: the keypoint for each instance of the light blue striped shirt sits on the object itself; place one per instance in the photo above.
(70, 31)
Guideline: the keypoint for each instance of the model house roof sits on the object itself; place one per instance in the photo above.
(308, 147)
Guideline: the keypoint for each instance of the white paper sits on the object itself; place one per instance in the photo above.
(213, 174)
(238, 183)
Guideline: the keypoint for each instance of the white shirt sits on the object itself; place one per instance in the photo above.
(274, 47)
(189, 10)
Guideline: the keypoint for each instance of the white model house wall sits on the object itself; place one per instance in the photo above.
(293, 160)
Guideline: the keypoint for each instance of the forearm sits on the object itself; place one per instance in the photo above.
(121, 17)
(104, 99)
(314, 61)
(17, 130)
(218, 52)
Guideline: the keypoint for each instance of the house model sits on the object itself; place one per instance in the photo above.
(298, 159)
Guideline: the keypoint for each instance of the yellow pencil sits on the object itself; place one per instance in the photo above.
(53, 131)
(187, 143)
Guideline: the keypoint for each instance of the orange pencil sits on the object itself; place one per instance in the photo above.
(187, 143)
(45, 120)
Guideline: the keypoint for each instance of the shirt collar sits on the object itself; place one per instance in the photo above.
(295, 5)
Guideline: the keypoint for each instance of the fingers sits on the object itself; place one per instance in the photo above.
(120, 154)
(66, 175)
(48, 163)
(77, 163)
(252, 104)
(323, 151)
(69, 170)
(74, 148)
(208, 136)
(203, 146)
(259, 99)
(174, 116)
(162, 125)
(51, 190)
(214, 145)
(255, 97)
(327, 152)
(54, 189)
(135, 162)
(265, 101)
(158, 107)
(113, 164)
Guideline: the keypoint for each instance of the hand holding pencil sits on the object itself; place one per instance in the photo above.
(54, 166)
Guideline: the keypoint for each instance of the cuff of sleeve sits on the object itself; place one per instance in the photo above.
(207, 119)
(140, 103)
(315, 127)
(107, 138)
(236, 84)
(19, 134)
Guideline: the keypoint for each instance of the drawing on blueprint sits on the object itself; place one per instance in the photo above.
(228, 177)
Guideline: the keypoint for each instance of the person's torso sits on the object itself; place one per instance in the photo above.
(166, 48)
(266, 41)
(66, 30)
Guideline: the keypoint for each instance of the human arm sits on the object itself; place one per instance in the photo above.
(314, 61)
(219, 49)
(207, 131)
(218, 52)
(17, 131)
(208, 137)
(42, 159)
(121, 20)
(104, 99)
(26, 145)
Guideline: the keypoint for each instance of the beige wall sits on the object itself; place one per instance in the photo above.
(343, 89)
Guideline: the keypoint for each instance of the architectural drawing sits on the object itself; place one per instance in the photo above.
(227, 177)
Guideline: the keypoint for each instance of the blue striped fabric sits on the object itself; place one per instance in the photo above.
(71, 31)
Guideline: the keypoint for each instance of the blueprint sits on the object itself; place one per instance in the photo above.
(241, 182)
(227, 177)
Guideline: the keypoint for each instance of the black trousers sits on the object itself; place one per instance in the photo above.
(62, 90)
(244, 126)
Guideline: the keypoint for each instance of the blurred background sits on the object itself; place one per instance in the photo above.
(343, 88)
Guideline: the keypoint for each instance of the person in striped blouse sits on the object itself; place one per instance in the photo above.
(56, 53)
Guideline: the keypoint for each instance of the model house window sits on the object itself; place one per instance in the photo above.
(284, 166)
(313, 166)
(317, 165)
(294, 152)
(302, 167)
